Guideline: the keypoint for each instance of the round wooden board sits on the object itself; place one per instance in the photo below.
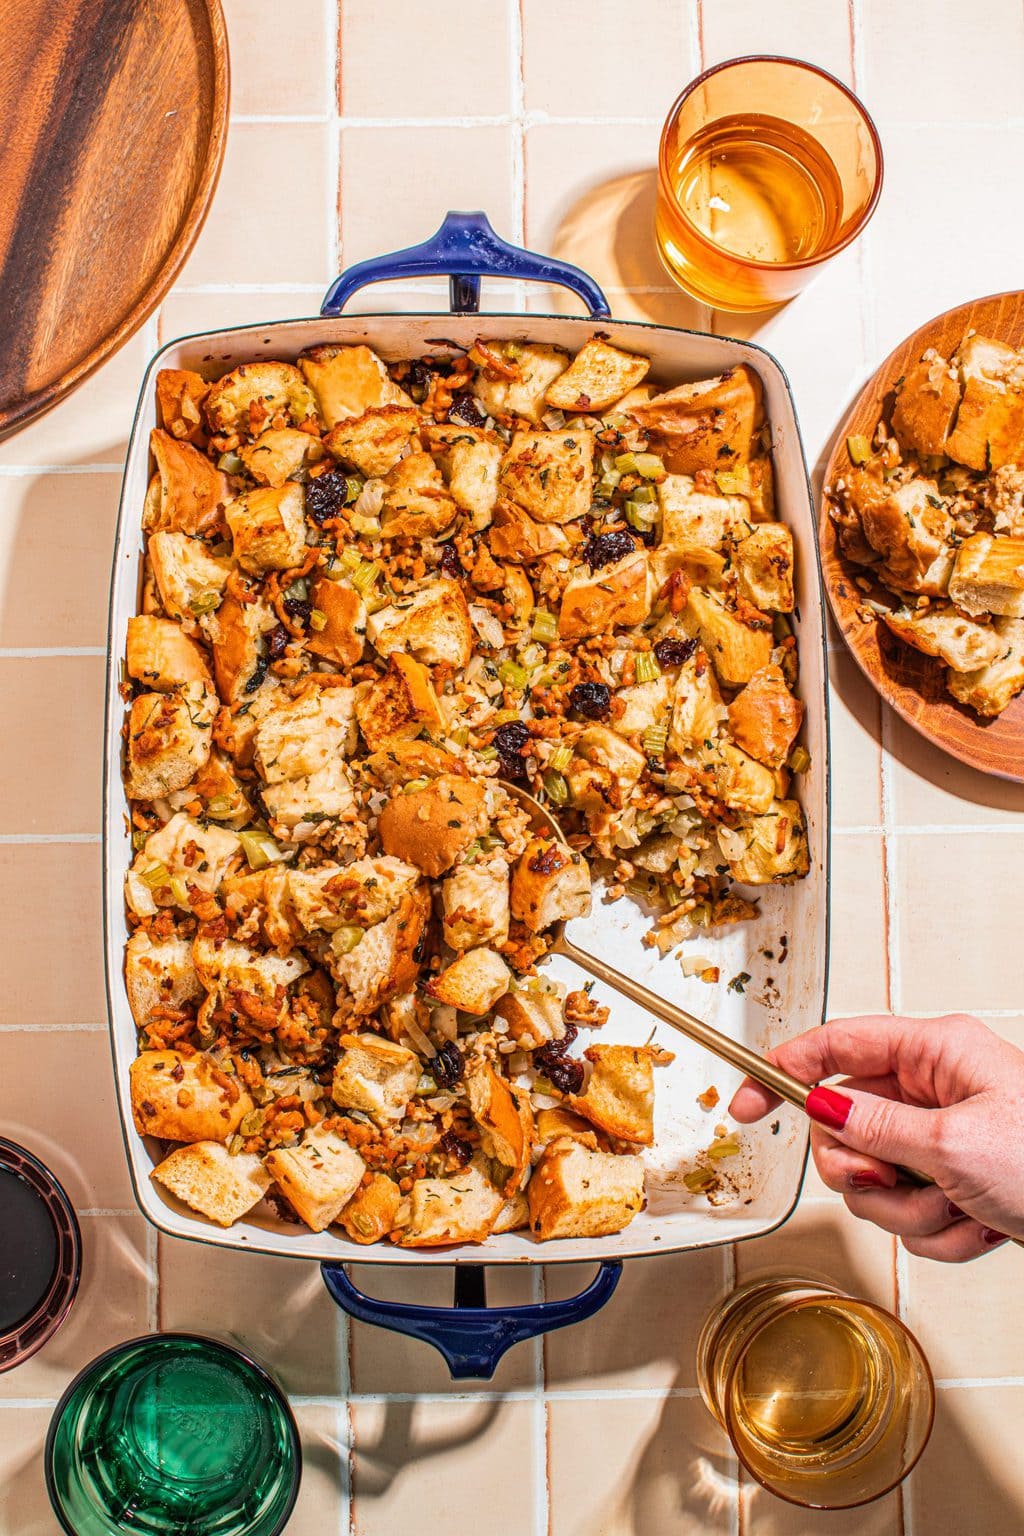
(115, 115)
(914, 684)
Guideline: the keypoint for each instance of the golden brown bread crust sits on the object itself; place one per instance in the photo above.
(597, 377)
(417, 503)
(517, 536)
(578, 1192)
(180, 1098)
(342, 637)
(431, 827)
(211, 1181)
(161, 655)
(548, 474)
(765, 718)
(398, 705)
(711, 425)
(375, 441)
(179, 396)
(370, 1214)
(348, 381)
(596, 602)
(505, 1118)
(193, 493)
(926, 406)
(620, 1094)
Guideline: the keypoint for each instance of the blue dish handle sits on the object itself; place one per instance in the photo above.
(471, 1336)
(465, 248)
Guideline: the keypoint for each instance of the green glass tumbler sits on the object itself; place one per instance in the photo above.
(173, 1435)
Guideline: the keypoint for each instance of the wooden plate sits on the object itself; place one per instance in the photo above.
(115, 115)
(913, 684)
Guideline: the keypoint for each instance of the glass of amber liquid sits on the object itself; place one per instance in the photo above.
(767, 167)
(828, 1401)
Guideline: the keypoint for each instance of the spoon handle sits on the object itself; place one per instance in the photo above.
(740, 1056)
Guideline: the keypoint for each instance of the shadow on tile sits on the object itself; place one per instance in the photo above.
(24, 1505)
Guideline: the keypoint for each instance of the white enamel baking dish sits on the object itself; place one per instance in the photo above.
(786, 993)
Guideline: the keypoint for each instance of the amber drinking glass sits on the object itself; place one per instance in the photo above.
(828, 1401)
(767, 167)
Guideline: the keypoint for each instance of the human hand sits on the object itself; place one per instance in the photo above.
(942, 1096)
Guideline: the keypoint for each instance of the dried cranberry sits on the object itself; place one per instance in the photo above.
(277, 640)
(448, 1065)
(603, 548)
(591, 699)
(298, 608)
(455, 1147)
(510, 739)
(325, 496)
(672, 653)
(547, 1053)
(451, 565)
(564, 1072)
(417, 380)
(465, 409)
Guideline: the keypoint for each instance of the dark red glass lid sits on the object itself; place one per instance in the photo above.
(40, 1254)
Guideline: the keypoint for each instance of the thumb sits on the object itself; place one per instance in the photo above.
(883, 1128)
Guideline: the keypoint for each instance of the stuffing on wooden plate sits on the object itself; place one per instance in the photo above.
(933, 507)
(373, 592)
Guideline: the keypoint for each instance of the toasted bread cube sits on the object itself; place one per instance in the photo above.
(962, 643)
(279, 454)
(364, 892)
(399, 705)
(169, 737)
(297, 806)
(595, 602)
(432, 826)
(375, 1075)
(179, 395)
(534, 1018)
(375, 441)
(227, 966)
(712, 424)
(504, 1117)
(385, 962)
(300, 735)
(598, 375)
(370, 1214)
(738, 781)
(349, 381)
(765, 719)
(236, 633)
(318, 1177)
(417, 503)
(604, 770)
(988, 576)
(536, 368)
(462, 1209)
(553, 1123)
(548, 474)
(990, 689)
(696, 706)
(434, 627)
(186, 573)
(263, 894)
(736, 650)
(926, 405)
(209, 1180)
(517, 536)
(619, 1097)
(910, 529)
(764, 565)
(989, 429)
(550, 884)
(161, 655)
(691, 517)
(473, 982)
(192, 493)
(476, 904)
(159, 974)
(246, 400)
(178, 1098)
(199, 854)
(473, 479)
(342, 636)
(402, 761)
(513, 1216)
(268, 528)
(767, 848)
(576, 1192)
(644, 704)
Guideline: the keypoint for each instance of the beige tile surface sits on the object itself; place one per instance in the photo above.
(24, 1508)
(619, 1467)
(55, 603)
(858, 969)
(930, 789)
(965, 1342)
(816, 30)
(971, 1477)
(385, 70)
(822, 1241)
(279, 70)
(451, 1464)
(323, 1501)
(52, 783)
(967, 63)
(92, 426)
(620, 80)
(855, 724)
(48, 888)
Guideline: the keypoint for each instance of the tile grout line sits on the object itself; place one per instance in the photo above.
(332, 64)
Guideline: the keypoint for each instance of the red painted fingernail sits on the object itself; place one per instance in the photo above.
(991, 1238)
(828, 1107)
(953, 1212)
(867, 1178)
